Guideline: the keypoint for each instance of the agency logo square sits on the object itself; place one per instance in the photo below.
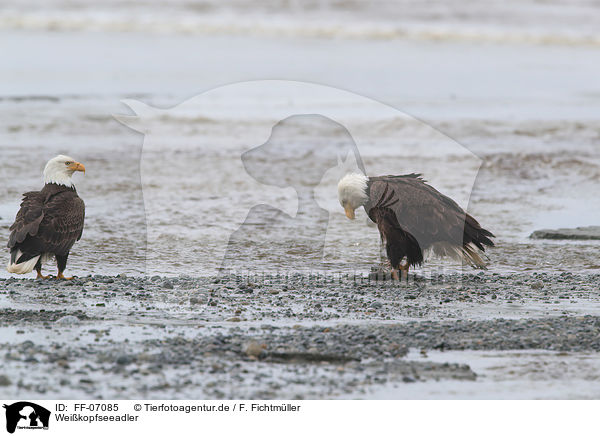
(24, 415)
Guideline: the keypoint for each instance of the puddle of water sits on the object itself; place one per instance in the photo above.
(528, 374)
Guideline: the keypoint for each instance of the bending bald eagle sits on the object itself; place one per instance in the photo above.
(412, 217)
(49, 221)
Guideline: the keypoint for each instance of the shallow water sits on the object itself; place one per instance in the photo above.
(185, 187)
(506, 375)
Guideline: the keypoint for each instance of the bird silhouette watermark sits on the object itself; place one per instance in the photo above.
(243, 179)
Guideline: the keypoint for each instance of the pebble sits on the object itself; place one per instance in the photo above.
(253, 349)
(124, 359)
(68, 320)
(197, 300)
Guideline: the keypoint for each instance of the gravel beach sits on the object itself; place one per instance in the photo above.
(295, 336)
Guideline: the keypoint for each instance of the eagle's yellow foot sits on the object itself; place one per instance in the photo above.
(61, 277)
(404, 271)
(40, 276)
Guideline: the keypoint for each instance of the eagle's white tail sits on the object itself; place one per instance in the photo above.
(23, 267)
(468, 254)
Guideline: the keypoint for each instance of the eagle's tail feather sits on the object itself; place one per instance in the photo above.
(476, 235)
(16, 267)
(467, 254)
(473, 256)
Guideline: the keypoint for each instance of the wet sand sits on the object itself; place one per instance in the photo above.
(301, 337)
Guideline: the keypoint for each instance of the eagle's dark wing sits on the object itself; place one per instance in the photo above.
(425, 213)
(398, 242)
(28, 218)
(48, 222)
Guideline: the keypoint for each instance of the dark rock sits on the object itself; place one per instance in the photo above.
(4, 380)
(579, 233)
(124, 359)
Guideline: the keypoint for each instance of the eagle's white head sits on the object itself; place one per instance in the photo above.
(59, 170)
(352, 192)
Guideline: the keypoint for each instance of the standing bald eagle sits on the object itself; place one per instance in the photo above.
(412, 217)
(49, 221)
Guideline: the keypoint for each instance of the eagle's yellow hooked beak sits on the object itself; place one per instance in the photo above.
(76, 166)
(349, 212)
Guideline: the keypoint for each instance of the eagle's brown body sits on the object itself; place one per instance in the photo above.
(412, 217)
(48, 224)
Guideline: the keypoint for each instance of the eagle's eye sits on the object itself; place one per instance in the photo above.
(68, 163)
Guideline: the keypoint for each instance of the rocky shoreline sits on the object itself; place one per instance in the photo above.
(276, 336)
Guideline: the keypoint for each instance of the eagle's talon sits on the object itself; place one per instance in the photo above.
(39, 276)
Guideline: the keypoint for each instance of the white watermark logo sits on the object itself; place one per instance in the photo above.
(244, 177)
